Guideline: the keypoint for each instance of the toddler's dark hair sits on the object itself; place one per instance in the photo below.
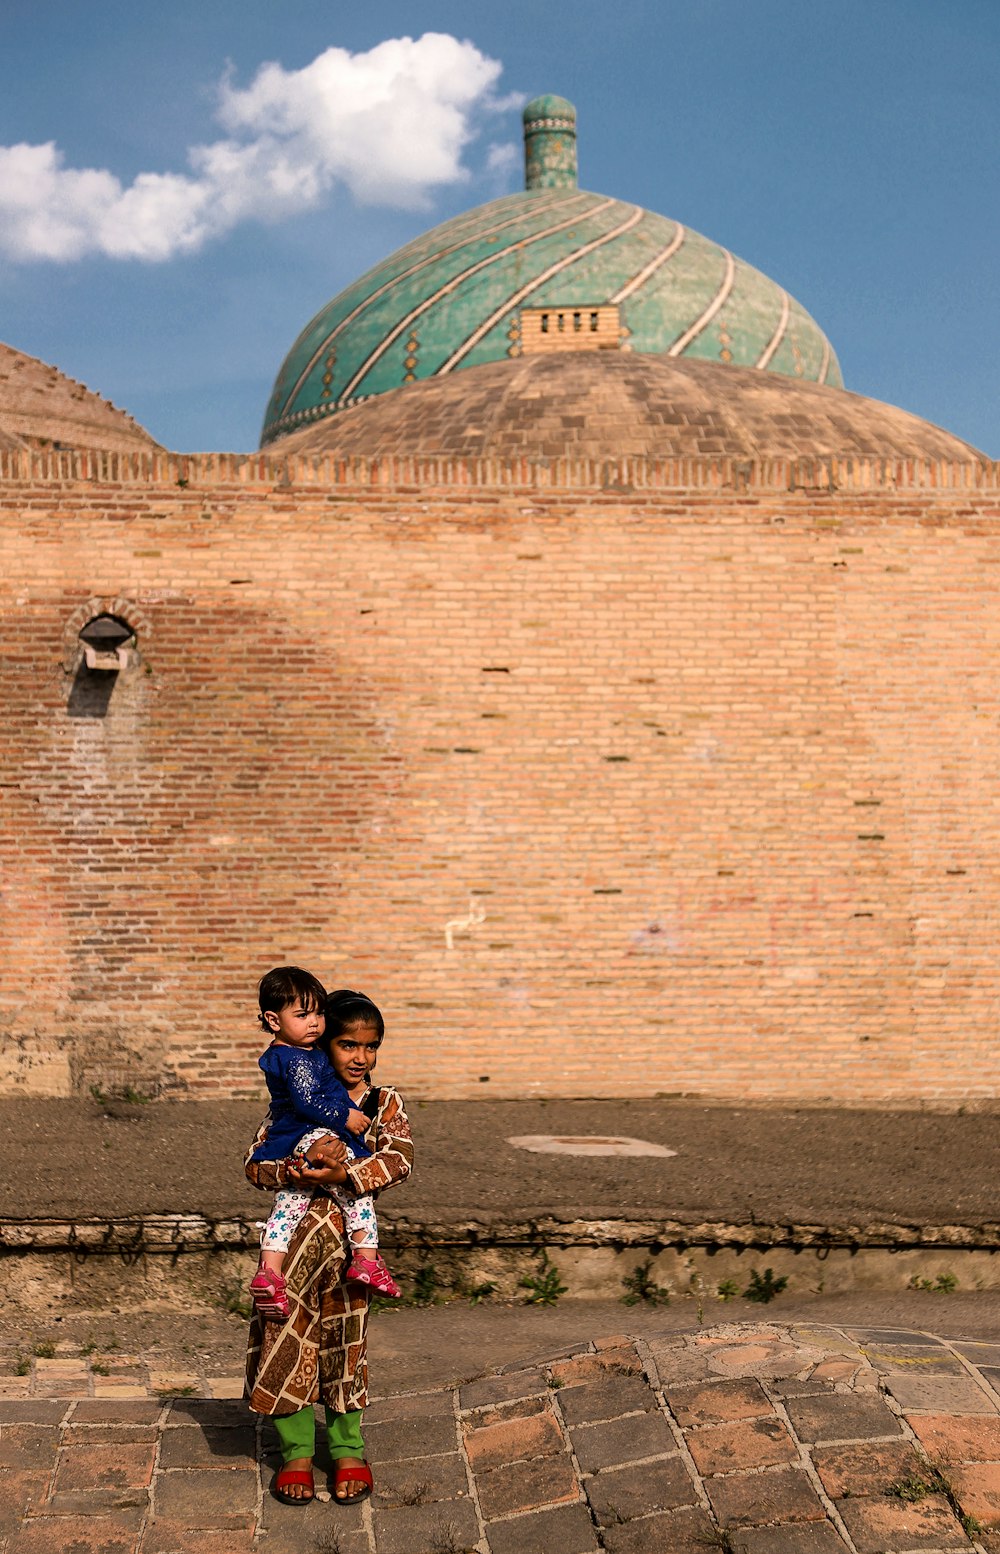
(345, 1007)
(287, 985)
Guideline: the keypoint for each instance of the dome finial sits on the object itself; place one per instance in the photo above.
(550, 143)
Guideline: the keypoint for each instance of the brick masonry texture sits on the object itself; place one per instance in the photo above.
(704, 751)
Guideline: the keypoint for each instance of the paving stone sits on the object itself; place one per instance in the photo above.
(172, 1538)
(27, 1446)
(79, 1435)
(413, 1437)
(810, 1539)
(672, 1532)
(590, 1367)
(78, 1535)
(894, 1335)
(221, 1412)
(841, 1416)
(868, 1468)
(675, 1363)
(620, 1494)
(211, 1498)
(914, 1359)
(39, 1411)
(836, 1370)
(566, 1530)
(19, 1491)
(977, 1487)
(426, 1478)
(518, 1408)
(749, 1443)
(308, 1522)
(191, 1447)
(802, 1387)
(537, 1435)
(979, 1352)
(954, 1437)
(720, 1403)
(883, 1526)
(411, 1405)
(226, 1386)
(426, 1529)
(527, 1486)
(606, 1399)
(944, 1394)
(105, 1467)
(619, 1441)
(753, 1499)
(93, 1502)
(502, 1389)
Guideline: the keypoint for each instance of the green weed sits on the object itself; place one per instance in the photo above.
(22, 1366)
(236, 1300)
(543, 1287)
(944, 1284)
(727, 1290)
(764, 1287)
(641, 1286)
(45, 1350)
(426, 1287)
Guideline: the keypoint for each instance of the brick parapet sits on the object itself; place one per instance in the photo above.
(209, 471)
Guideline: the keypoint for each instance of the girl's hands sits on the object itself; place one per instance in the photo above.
(357, 1122)
(324, 1164)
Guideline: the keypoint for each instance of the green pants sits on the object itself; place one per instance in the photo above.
(297, 1434)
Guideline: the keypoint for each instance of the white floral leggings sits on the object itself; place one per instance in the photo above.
(291, 1204)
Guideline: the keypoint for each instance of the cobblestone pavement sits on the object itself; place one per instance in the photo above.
(753, 1438)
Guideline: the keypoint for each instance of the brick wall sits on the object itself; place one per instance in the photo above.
(670, 778)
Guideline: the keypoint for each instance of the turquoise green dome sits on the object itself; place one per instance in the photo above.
(551, 268)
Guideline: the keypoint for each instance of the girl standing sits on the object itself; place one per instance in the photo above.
(319, 1351)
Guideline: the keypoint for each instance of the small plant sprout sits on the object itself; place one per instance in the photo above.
(763, 1287)
(727, 1290)
(641, 1286)
(944, 1284)
(544, 1287)
(45, 1350)
(425, 1286)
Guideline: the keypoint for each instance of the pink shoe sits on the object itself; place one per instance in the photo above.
(268, 1290)
(373, 1272)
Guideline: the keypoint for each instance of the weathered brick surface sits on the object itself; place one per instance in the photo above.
(977, 1485)
(416, 1529)
(673, 1532)
(958, 1438)
(565, 1530)
(749, 1443)
(869, 1468)
(882, 1526)
(524, 1486)
(513, 1439)
(721, 1403)
(620, 1494)
(840, 1416)
(753, 1499)
(622, 1440)
(706, 748)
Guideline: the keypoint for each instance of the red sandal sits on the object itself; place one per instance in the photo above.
(269, 1293)
(352, 1475)
(286, 1476)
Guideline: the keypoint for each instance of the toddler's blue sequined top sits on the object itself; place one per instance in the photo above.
(305, 1094)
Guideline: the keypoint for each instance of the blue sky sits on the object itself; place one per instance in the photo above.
(849, 149)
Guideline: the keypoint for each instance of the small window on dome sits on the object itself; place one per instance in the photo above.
(570, 329)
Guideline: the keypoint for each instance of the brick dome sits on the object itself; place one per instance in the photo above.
(40, 407)
(600, 406)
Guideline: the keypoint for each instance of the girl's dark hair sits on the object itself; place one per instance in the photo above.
(345, 1007)
(287, 985)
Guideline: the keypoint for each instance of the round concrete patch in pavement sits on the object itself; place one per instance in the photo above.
(585, 1144)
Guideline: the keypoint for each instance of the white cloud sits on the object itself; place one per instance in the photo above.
(389, 125)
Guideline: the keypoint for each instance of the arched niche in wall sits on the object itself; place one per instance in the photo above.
(101, 644)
